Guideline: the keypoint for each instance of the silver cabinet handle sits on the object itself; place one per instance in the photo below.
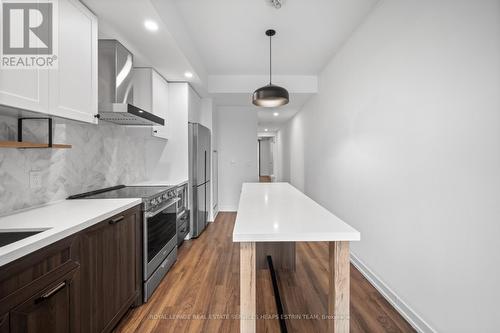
(118, 219)
(51, 292)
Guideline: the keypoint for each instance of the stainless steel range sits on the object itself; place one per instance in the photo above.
(159, 227)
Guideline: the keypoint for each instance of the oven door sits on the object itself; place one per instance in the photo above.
(160, 236)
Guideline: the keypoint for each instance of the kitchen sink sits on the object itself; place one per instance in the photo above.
(8, 237)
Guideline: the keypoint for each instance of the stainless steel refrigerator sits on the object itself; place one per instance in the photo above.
(199, 177)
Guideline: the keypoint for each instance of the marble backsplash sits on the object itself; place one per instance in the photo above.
(102, 156)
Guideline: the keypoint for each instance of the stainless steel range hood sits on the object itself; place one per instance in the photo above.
(116, 91)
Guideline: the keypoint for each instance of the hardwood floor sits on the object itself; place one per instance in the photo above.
(265, 179)
(201, 292)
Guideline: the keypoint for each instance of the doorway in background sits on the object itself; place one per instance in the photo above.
(266, 159)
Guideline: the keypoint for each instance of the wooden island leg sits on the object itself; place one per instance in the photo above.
(248, 309)
(338, 294)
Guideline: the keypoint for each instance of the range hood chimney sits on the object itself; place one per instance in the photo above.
(116, 92)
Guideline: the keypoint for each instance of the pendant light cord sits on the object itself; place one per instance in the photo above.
(270, 61)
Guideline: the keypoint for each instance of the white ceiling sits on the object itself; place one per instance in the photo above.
(229, 34)
(266, 116)
(226, 37)
(124, 20)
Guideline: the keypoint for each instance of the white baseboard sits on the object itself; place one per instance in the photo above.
(411, 316)
(214, 217)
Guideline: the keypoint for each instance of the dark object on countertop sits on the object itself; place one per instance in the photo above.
(9, 237)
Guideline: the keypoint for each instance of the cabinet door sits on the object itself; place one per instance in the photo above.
(143, 88)
(25, 89)
(73, 87)
(160, 104)
(46, 311)
(109, 271)
(4, 323)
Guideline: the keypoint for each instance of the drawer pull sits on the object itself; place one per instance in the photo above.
(51, 292)
(118, 219)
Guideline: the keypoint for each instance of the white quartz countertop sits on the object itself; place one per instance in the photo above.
(278, 212)
(61, 220)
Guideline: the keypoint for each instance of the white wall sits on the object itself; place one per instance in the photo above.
(237, 147)
(215, 164)
(206, 113)
(293, 152)
(403, 143)
(279, 158)
(206, 119)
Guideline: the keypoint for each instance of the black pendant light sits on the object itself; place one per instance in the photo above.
(270, 96)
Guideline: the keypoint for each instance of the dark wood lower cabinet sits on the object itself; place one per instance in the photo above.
(111, 280)
(49, 310)
(83, 283)
(4, 323)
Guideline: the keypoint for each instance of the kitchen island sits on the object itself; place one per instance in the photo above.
(271, 218)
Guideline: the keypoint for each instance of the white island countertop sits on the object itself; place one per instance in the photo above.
(278, 212)
(58, 220)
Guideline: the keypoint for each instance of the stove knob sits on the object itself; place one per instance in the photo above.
(152, 202)
(165, 196)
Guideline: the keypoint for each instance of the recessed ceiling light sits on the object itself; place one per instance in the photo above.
(188, 75)
(151, 25)
(276, 114)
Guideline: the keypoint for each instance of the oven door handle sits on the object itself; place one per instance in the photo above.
(156, 212)
(181, 214)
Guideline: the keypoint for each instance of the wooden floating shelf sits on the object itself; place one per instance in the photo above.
(27, 144)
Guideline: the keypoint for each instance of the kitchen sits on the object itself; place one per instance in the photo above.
(264, 166)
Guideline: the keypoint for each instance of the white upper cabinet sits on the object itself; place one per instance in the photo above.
(25, 89)
(194, 106)
(73, 88)
(151, 94)
(160, 104)
(70, 91)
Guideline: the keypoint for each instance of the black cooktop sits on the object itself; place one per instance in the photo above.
(123, 191)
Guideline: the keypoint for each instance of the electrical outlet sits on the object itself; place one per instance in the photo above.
(35, 180)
